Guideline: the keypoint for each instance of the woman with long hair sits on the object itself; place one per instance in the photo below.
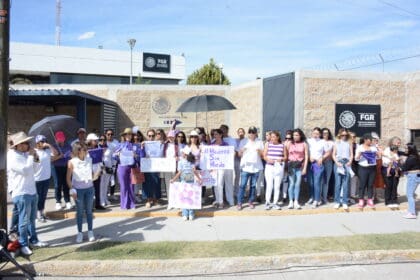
(391, 171)
(412, 168)
(328, 164)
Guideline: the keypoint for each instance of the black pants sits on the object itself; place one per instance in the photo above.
(97, 185)
(391, 184)
(366, 180)
(61, 172)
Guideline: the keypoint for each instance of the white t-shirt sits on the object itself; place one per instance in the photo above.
(363, 161)
(43, 169)
(251, 160)
(317, 148)
(20, 173)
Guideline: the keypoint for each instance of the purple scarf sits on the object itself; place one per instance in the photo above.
(370, 157)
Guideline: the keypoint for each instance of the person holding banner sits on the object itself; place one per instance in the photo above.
(186, 172)
(170, 151)
(128, 156)
(251, 164)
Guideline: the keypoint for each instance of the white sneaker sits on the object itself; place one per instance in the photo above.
(290, 205)
(345, 207)
(314, 204)
(58, 206)
(69, 206)
(39, 244)
(276, 207)
(310, 201)
(79, 237)
(91, 237)
(191, 218)
(297, 205)
(267, 206)
(185, 218)
(337, 205)
(25, 251)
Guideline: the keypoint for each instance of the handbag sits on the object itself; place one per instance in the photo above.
(137, 177)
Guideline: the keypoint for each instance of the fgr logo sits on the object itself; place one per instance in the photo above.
(150, 62)
(347, 119)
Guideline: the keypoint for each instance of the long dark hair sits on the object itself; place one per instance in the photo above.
(330, 137)
(301, 134)
(412, 151)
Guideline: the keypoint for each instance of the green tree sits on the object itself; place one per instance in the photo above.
(208, 74)
(141, 81)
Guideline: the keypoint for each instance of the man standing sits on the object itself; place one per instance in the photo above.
(21, 183)
(81, 136)
(111, 145)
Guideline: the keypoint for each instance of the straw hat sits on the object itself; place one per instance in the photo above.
(127, 131)
(19, 138)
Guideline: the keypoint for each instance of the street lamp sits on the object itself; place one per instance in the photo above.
(131, 43)
(221, 69)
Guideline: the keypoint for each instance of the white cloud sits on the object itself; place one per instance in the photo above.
(362, 39)
(402, 23)
(86, 35)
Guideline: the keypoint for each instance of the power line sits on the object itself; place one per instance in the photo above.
(399, 8)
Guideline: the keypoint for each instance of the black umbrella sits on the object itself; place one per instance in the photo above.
(48, 126)
(206, 103)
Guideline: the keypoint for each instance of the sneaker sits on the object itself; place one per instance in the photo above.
(314, 204)
(276, 207)
(394, 205)
(58, 206)
(389, 206)
(148, 204)
(310, 201)
(91, 236)
(39, 244)
(69, 206)
(267, 206)
(337, 206)
(361, 203)
(185, 218)
(251, 205)
(191, 218)
(79, 237)
(290, 206)
(42, 219)
(297, 205)
(26, 251)
(239, 207)
(370, 203)
(345, 207)
(410, 216)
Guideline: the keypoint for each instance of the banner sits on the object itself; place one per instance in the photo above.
(163, 111)
(208, 177)
(184, 195)
(148, 165)
(153, 149)
(358, 118)
(154, 62)
(217, 157)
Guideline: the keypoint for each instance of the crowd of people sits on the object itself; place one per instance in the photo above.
(87, 169)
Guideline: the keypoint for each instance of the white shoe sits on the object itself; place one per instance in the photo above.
(58, 206)
(191, 218)
(91, 237)
(185, 218)
(25, 251)
(310, 201)
(40, 244)
(267, 206)
(79, 237)
(69, 206)
(337, 206)
(290, 205)
(314, 204)
(297, 205)
(276, 207)
(345, 207)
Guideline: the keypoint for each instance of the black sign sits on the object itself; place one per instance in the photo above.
(153, 62)
(358, 118)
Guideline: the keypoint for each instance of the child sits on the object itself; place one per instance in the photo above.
(80, 179)
(186, 171)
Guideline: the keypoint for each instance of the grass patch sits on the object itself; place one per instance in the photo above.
(178, 250)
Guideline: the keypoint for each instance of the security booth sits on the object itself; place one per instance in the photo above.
(29, 106)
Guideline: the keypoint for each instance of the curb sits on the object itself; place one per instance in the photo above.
(211, 266)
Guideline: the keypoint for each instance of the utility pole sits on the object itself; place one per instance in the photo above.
(131, 43)
(4, 101)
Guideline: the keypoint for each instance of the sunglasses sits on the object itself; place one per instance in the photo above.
(344, 135)
(102, 139)
(288, 138)
(150, 135)
(180, 136)
(193, 136)
(110, 134)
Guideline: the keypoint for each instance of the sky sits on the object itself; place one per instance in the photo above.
(249, 38)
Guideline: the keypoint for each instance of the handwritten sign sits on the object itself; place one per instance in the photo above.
(184, 195)
(153, 149)
(208, 177)
(157, 165)
(217, 157)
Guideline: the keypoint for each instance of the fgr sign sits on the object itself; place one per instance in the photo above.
(358, 118)
(153, 62)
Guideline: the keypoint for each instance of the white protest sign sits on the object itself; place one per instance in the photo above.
(184, 195)
(157, 164)
(208, 177)
(153, 148)
(217, 157)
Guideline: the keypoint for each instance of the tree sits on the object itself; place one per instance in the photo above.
(141, 81)
(208, 74)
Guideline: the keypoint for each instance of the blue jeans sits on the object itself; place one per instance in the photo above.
(295, 178)
(187, 212)
(244, 180)
(315, 181)
(342, 182)
(328, 171)
(84, 203)
(26, 206)
(42, 190)
(413, 180)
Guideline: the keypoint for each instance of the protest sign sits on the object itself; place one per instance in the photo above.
(208, 177)
(157, 165)
(217, 157)
(184, 195)
(153, 148)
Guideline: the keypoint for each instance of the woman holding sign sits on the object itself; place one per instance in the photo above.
(128, 156)
(96, 154)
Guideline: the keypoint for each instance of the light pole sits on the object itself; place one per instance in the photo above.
(131, 43)
(221, 69)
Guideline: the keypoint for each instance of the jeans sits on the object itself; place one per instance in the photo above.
(315, 181)
(342, 182)
(61, 172)
(366, 179)
(26, 206)
(187, 213)
(328, 171)
(244, 180)
(413, 180)
(84, 204)
(295, 178)
(42, 190)
(391, 184)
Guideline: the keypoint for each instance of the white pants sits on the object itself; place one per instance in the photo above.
(273, 181)
(167, 176)
(224, 178)
(106, 181)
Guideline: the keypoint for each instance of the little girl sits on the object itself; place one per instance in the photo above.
(80, 179)
(186, 172)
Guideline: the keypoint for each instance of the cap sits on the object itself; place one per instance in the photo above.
(193, 133)
(135, 129)
(171, 133)
(60, 137)
(375, 135)
(252, 129)
(40, 138)
(92, 137)
(81, 130)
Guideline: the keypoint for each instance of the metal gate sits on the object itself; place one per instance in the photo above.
(109, 117)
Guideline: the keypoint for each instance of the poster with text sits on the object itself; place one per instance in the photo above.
(157, 165)
(217, 157)
(184, 195)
